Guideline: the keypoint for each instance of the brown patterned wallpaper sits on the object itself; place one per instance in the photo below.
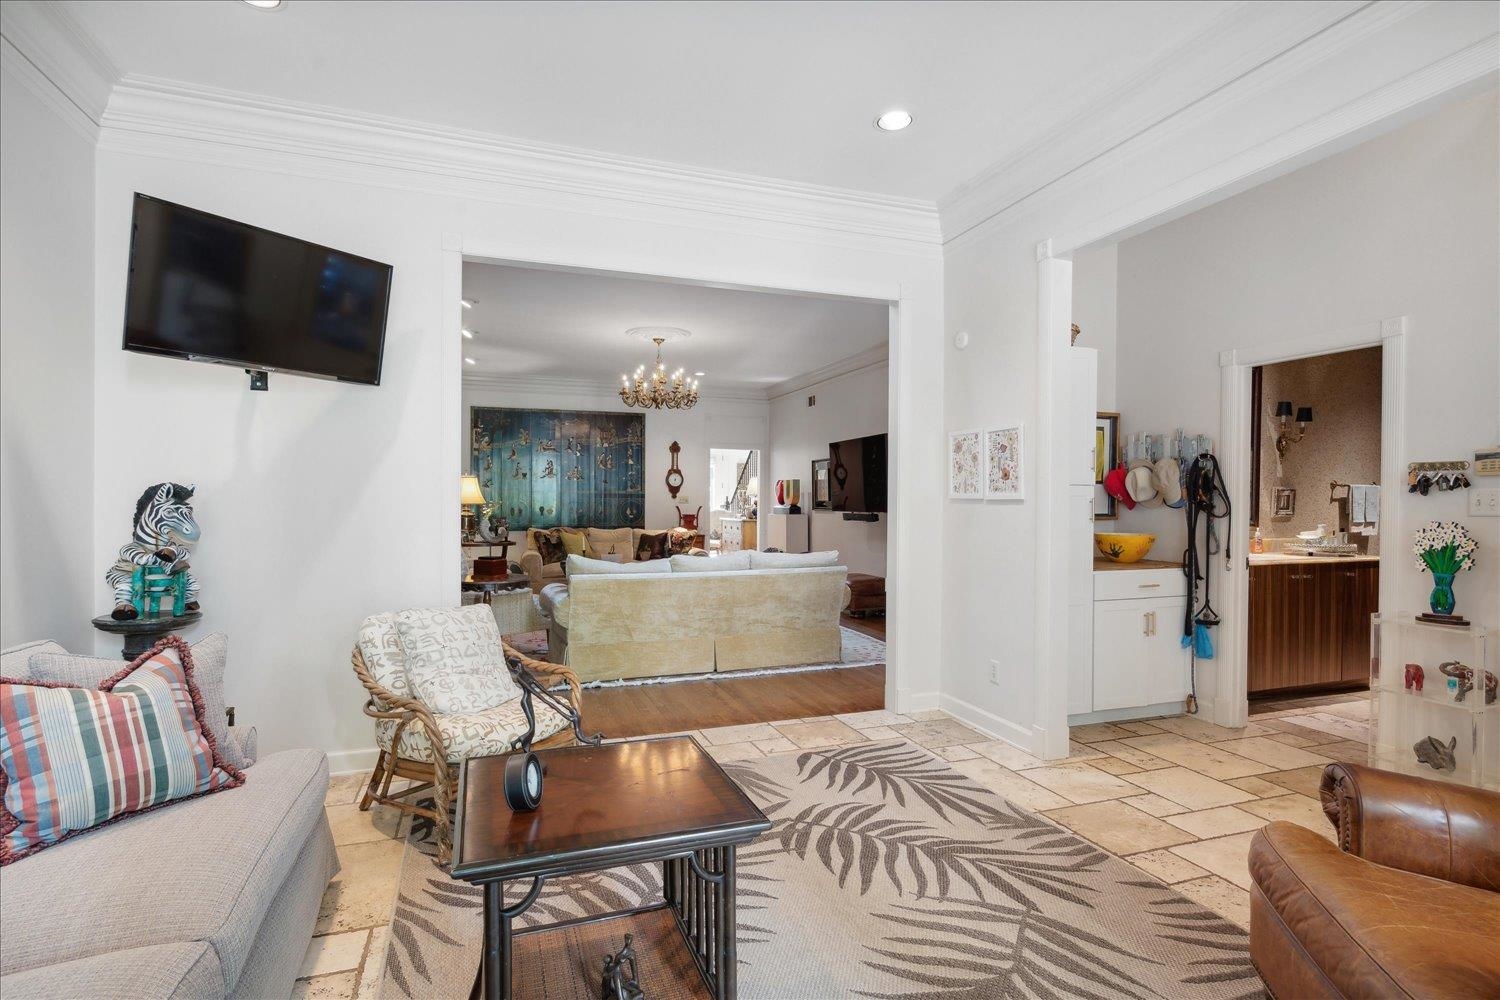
(1342, 442)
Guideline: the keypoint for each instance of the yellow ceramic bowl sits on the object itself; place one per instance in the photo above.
(1123, 547)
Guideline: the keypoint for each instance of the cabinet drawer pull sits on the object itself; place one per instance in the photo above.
(1147, 586)
(1146, 623)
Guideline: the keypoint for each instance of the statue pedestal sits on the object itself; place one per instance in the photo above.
(141, 633)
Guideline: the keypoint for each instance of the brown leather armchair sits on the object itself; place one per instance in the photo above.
(1407, 904)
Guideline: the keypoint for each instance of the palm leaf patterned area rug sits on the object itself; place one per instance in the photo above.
(886, 875)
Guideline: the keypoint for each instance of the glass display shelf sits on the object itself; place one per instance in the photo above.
(1407, 710)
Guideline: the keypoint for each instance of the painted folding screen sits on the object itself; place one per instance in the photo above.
(544, 468)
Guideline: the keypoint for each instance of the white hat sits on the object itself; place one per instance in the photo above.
(1140, 487)
(1167, 478)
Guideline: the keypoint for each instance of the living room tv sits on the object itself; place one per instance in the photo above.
(857, 475)
(206, 288)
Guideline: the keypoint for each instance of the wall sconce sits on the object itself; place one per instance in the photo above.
(1286, 438)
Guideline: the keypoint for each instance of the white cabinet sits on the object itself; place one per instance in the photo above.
(1083, 407)
(1137, 656)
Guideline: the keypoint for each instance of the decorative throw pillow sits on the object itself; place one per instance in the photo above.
(605, 542)
(74, 758)
(651, 545)
(453, 659)
(549, 545)
(574, 541)
(209, 656)
(680, 541)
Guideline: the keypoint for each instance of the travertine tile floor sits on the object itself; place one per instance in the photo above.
(1177, 797)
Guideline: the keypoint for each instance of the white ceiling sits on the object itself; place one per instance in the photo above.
(562, 324)
(783, 90)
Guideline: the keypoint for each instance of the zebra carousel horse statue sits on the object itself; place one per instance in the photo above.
(155, 561)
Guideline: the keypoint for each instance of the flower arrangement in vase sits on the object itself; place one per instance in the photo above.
(1444, 548)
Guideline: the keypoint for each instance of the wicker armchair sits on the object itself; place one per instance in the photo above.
(408, 731)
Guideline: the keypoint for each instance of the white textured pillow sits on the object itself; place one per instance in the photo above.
(705, 564)
(453, 659)
(793, 560)
(584, 566)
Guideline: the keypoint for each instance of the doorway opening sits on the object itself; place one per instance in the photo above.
(1315, 522)
(734, 495)
(562, 432)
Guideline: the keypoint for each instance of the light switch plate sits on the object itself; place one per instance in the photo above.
(1484, 503)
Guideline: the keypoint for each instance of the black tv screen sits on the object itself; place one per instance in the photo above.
(857, 475)
(208, 288)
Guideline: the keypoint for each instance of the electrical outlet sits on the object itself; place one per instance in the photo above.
(995, 672)
(1484, 503)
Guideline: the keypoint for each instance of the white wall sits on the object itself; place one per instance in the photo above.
(323, 503)
(1095, 273)
(714, 423)
(51, 580)
(851, 405)
(1403, 225)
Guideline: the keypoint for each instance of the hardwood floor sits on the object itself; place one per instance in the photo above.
(648, 709)
(869, 626)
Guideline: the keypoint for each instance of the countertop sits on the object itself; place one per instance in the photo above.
(1102, 565)
(1291, 558)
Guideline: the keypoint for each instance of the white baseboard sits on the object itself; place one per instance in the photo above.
(352, 761)
(915, 701)
(1127, 714)
(988, 723)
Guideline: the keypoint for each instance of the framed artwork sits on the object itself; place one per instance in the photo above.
(965, 466)
(1284, 502)
(1003, 478)
(819, 482)
(1106, 457)
(544, 468)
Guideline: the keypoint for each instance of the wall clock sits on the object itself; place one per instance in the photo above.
(674, 474)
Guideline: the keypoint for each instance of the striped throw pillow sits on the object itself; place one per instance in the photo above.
(75, 758)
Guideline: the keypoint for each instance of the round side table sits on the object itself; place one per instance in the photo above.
(141, 633)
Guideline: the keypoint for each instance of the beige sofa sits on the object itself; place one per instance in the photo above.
(610, 627)
(600, 543)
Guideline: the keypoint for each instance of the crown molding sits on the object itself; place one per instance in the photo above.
(1249, 51)
(169, 118)
(589, 387)
(878, 355)
(55, 58)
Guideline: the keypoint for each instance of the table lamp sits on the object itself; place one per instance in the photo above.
(469, 495)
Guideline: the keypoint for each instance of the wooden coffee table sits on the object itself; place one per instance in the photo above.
(603, 807)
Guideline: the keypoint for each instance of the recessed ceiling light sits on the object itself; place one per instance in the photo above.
(470, 361)
(699, 374)
(467, 303)
(265, 4)
(468, 334)
(893, 121)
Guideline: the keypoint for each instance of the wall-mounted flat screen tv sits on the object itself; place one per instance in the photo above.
(207, 288)
(857, 475)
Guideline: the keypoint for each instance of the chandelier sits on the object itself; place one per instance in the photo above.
(651, 388)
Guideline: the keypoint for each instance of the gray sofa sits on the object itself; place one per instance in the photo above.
(213, 897)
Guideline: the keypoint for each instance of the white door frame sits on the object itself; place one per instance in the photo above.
(901, 641)
(1054, 337)
(1231, 704)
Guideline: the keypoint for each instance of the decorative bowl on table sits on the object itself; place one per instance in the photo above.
(1123, 547)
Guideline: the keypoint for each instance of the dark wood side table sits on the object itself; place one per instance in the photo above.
(141, 633)
(488, 586)
(602, 807)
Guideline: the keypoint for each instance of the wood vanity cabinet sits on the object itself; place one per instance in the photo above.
(1310, 624)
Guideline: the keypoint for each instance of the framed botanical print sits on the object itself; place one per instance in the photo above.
(965, 466)
(1003, 471)
(1106, 457)
(819, 482)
